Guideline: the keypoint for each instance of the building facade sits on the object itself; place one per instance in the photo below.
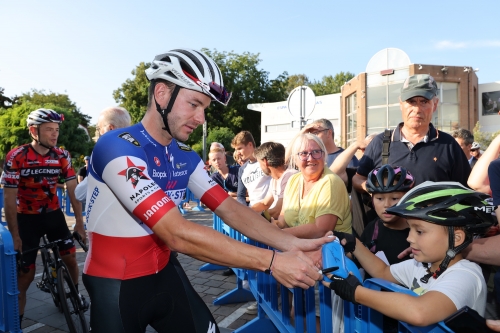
(369, 103)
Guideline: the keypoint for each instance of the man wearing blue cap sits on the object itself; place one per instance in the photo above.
(416, 144)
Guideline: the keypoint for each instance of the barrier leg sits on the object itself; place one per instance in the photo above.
(212, 267)
(238, 294)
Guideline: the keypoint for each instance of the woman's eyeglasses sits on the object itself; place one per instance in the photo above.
(315, 154)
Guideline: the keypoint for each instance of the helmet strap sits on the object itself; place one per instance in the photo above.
(38, 141)
(164, 112)
(450, 254)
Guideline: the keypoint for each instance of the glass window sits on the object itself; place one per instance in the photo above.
(399, 75)
(447, 116)
(394, 92)
(351, 118)
(449, 91)
(376, 117)
(376, 96)
(395, 116)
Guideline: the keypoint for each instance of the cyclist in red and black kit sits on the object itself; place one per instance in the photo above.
(30, 177)
(136, 178)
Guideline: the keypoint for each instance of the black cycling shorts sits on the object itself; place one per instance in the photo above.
(32, 227)
(167, 301)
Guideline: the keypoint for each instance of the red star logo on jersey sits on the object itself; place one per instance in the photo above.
(133, 173)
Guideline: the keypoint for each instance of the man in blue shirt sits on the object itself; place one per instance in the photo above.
(416, 144)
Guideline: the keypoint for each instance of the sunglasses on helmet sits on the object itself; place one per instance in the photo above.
(217, 92)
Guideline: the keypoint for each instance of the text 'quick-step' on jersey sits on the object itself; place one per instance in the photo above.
(133, 182)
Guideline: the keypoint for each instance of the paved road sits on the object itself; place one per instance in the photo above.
(41, 316)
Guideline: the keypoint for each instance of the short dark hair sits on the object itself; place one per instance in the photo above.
(151, 89)
(273, 152)
(463, 134)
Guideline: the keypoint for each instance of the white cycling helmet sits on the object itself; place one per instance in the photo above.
(190, 69)
(40, 116)
(475, 146)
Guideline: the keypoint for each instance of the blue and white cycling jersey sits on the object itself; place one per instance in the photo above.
(133, 181)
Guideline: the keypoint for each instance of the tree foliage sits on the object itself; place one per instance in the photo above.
(14, 131)
(483, 138)
(242, 77)
(293, 81)
(133, 93)
(39, 97)
(330, 84)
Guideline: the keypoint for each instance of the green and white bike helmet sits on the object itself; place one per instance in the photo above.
(448, 204)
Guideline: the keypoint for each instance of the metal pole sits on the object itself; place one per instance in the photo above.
(302, 101)
(204, 141)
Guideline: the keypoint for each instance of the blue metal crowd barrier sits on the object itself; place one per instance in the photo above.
(2, 222)
(273, 316)
(9, 310)
(65, 202)
(190, 197)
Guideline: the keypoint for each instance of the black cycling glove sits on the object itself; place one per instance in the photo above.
(345, 288)
(350, 244)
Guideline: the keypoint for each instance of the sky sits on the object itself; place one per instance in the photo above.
(87, 49)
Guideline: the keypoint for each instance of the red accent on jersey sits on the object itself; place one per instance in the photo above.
(36, 176)
(151, 210)
(126, 257)
(214, 197)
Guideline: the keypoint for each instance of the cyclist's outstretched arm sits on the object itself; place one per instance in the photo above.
(289, 268)
(77, 207)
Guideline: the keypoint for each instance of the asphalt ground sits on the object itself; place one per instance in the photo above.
(41, 316)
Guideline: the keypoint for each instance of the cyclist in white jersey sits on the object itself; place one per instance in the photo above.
(137, 176)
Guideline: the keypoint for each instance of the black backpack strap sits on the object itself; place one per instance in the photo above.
(385, 146)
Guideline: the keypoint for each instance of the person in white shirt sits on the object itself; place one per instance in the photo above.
(109, 119)
(252, 179)
(271, 157)
(443, 218)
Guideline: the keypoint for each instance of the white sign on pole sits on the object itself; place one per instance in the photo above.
(301, 103)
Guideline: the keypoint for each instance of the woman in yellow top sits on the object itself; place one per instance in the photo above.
(315, 199)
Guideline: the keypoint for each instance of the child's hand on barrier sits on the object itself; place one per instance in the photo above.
(345, 288)
(348, 241)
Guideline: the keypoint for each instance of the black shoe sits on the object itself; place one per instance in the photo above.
(228, 272)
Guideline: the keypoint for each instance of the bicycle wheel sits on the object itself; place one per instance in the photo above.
(47, 279)
(70, 302)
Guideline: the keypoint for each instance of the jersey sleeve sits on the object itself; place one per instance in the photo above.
(67, 171)
(124, 170)
(205, 188)
(11, 169)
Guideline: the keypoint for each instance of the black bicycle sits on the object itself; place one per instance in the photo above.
(57, 281)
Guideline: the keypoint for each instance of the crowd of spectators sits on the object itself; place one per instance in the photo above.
(305, 188)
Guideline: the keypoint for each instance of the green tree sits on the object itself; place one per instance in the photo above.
(133, 93)
(39, 97)
(483, 138)
(242, 77)
(14, 132)
(218, 134)
(293, 81)
(330, 84)
(249, 85)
